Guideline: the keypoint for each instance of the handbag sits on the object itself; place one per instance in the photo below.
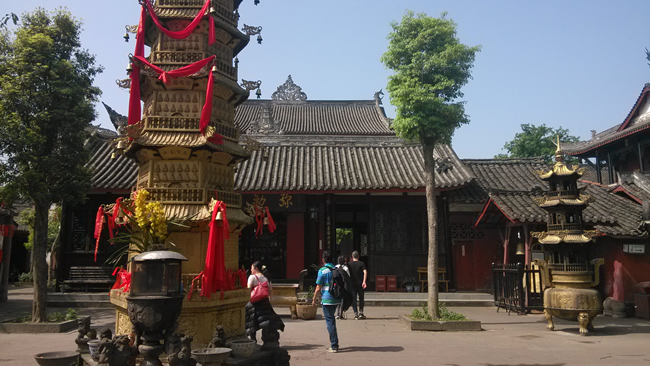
(260, 292)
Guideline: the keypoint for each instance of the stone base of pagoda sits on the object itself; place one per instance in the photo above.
(199, 316)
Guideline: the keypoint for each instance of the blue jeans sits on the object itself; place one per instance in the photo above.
(330, 321)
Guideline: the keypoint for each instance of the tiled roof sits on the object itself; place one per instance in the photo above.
(117, 174)
(637, 120)
(609, 213)
(517, 174)
(635, 184)
(343, 168)
(315, 117)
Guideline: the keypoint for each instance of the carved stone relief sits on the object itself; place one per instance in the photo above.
(218, 177)
(188, 325)
(223, 111)
(175, 153)
(124, 325)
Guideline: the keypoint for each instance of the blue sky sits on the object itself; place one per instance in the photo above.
(575, 64)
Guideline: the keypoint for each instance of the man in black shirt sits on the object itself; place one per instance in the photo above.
(359, 275)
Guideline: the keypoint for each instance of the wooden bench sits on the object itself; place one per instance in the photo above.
(443, 282)
(88, 278)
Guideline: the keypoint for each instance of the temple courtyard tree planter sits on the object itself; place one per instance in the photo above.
(441, 325)
(62, 327)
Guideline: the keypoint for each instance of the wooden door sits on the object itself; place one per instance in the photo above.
(464, 259)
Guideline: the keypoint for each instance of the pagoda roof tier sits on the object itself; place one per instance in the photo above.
(204, 212)
(560, 169)
(553, 238)
(184, 139)
(545, 201)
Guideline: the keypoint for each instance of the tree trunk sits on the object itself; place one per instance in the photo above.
(39, 304)
(432, 225)
(6, 261)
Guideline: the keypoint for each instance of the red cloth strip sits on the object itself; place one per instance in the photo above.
(99, 224)
(206, 112)
(123, 280)
(190, 28)
(215, 265)
(189, 295)
(271, 222)
(134, 96)
(183, 71)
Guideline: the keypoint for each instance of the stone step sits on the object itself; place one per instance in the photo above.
(414, 299)
(78, 300)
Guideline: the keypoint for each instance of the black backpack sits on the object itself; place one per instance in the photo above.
(337, 286)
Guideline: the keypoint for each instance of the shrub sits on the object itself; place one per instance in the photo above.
(445, 314)
(71, 314)
(26, 277)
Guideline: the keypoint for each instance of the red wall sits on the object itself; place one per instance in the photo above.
(295, 244)
(636, 267)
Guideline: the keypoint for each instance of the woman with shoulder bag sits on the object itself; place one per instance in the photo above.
(259, 312)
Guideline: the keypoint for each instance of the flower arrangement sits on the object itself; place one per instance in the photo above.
(145, 224)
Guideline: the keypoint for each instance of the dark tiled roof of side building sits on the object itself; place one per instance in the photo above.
(609, 213)
(109, 175)
(515, 174)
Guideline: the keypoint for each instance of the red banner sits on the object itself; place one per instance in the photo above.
(190, 28)
(214, 277)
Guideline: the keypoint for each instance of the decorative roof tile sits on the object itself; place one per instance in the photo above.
(109, 174)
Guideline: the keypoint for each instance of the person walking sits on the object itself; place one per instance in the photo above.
(343, 307)
(329, 302)
(359, 275)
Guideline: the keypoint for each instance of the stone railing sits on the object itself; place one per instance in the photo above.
(193, 196)
(226, 69)
(176, 57)
(571, 267)
(221, 11)
(560, 227)
(157, 123)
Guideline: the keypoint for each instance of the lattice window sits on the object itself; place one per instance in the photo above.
(465, 231)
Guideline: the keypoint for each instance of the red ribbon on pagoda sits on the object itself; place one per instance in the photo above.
(190, 28)
(259, 218)
(123, 279)
(271, 222)
(214, 273)
(7, 230)
(134, 96)
(186, 71)
(99, 225)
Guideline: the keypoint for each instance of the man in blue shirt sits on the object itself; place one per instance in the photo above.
(329, 303)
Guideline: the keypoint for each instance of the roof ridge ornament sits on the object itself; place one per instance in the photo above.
(289, 92)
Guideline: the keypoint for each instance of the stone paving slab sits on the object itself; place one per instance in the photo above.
(382, 340)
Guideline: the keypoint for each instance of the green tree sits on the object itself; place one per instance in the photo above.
(536, 141)
(46, 106)
(430, 66)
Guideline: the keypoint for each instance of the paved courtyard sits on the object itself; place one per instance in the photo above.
(383, 340)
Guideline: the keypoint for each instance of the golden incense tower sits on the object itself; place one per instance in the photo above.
(566, 268)
(182, 165)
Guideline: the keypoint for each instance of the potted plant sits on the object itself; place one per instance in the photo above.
(409, 284)
(305, 309)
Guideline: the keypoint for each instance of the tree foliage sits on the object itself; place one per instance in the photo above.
(535, 141)
(46, 106)
(430, 66)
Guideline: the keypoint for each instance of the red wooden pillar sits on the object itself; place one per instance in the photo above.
(295, 244)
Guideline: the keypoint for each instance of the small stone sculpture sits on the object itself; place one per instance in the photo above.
(84, 334)
(179, 351)
(218, 338)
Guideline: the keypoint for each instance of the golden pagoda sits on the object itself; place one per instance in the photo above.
(566, 270)
(184, 160)
(564, 203)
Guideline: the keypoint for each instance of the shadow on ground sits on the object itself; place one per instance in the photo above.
(302, 347)
(372, 349)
